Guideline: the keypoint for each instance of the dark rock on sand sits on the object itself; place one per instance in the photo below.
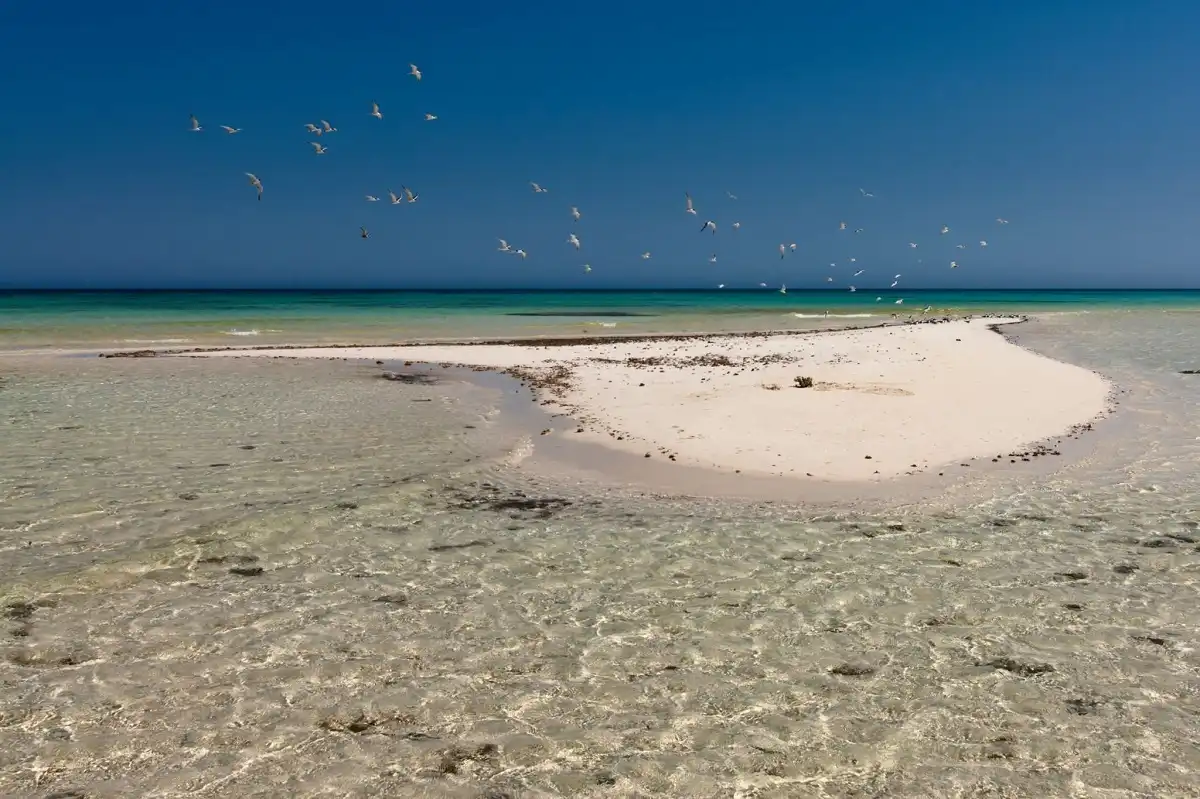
(477, 542)
(852, 670)
(412, 378)
(1083, 707)
(246, 571)
(1018, 668)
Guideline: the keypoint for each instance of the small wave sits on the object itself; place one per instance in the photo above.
(833, 315)
(156, 341)
(254, 332)
(602, 324)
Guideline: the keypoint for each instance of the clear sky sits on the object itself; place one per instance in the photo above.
(1077, 121)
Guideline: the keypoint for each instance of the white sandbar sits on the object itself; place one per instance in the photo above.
(924, 395)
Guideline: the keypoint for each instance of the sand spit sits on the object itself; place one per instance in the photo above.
(883, 401)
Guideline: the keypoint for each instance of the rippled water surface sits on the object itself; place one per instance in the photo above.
(272, 578)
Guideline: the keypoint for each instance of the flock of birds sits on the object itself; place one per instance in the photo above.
(323, 127)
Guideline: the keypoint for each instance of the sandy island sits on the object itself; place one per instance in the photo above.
(885, 401)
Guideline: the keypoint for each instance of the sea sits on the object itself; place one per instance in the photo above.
(32, 319)
(275, 578)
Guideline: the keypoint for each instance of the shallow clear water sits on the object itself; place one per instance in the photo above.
(431, 621)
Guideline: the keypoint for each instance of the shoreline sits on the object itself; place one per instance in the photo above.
(694, 415)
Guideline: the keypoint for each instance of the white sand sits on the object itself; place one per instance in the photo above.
(922, 395)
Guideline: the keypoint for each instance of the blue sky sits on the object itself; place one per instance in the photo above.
(1075, 121)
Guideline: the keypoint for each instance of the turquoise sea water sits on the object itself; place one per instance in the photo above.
(111, 318)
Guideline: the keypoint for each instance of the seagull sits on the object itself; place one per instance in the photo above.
(196, 124)
(945, 230)
(256, 183)
(960, 246)
(783, 289)
(713, 259)
(852, 260)
(828, 280)
(896, 277)
(737, 225)
(866, 193)
(318, 148)
(998, 219)
(573, 240)
(853, 289)
(575, 213)
(954, 264)
(731, 195)
(230, 130)
(982, 243)
(859, 272)
(412, 70)
(722, 285)
(371, 198)
(375, 111)
(859, 230)
(782, 250)
(762, 285)
(395, 200)
(707, 225)
(504, 246)
(364, 233)
(536, 188)
(792, 246)
(894, 284)
(408, 194)
(430, 117)
(646, 255)
(927, 309)
(912, 244)
(587, 267)
(841, 225)
(900, 301)
(311, 128)
(521, 253)
(691, 209)
(328, 128)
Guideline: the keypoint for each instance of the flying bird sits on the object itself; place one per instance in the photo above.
(859, 230)
(841, 225)
(713, 259)
(311, 128)
(737, 225)
(395, 200)
(521, 253)
(945, 229)
(371, 198)
(998, 219)
(954, 264)
(866, 193)
(573, 240)
(408, 194)
(960, 246)
(504, 246)
(707, 225)
(646, 255)
(375, 111)
(412, 70)
(317, 148)
(912, 244)
(731, 195)
(575, 213)
(537, 189)
(430, 117)
(328, 128)
(859, 272)
(587, 267)
(256, 183)
(783, 289)
(782, 250)
(982, 243)
(364, 233)
(792, 246)
(230, 130)
(195, 124)
(691, 209)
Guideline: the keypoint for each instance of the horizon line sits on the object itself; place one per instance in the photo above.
(576, 289)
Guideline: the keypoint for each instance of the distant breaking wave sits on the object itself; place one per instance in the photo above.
(254, 332)
(156, 341)
(833, 315)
